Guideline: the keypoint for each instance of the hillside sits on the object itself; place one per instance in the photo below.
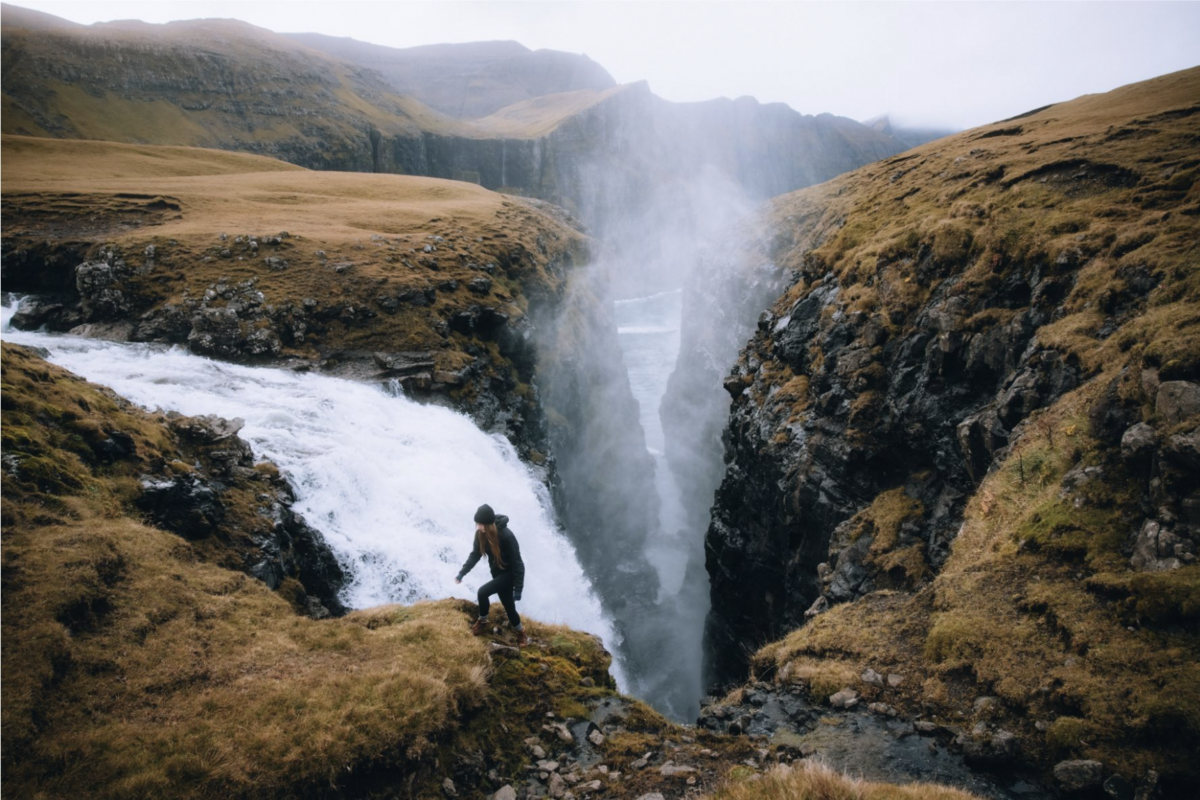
(206, 83)
(469, 80)
(550, 125)
(961, 448)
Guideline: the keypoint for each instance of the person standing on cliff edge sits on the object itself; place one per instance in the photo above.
(497, 542)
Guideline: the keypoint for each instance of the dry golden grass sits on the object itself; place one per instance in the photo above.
(537, 117)
(353, 236)
(133, 666)
(815, 781)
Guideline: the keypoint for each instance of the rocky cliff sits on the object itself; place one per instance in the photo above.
(967, 427)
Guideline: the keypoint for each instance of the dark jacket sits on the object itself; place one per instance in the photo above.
(510, 552)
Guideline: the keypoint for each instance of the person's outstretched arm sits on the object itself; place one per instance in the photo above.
(472, 560)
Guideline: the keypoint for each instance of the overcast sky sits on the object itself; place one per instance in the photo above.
(955, 64)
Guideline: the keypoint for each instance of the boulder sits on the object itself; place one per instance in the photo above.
(1077, 775)
(872, 678)
(1183, 450)
(207, 428)
(1154, 549)
(1138, 443)
(1177, 401)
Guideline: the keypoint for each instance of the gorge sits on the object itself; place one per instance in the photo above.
(822, 447)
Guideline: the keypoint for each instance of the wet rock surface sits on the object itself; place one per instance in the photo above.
(275, 543)
(876, 743)
(917, 402)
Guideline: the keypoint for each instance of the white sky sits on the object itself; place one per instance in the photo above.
(938, 63)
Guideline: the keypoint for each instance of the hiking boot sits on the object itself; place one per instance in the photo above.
(479, 627)
(522, 639)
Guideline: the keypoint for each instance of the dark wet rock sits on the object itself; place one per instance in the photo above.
(98, 284)
(921, 402)
(1078, 775)
(1183, 450)
(185, 504)
(1118, 788)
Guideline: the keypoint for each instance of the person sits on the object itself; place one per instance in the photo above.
(497, 542)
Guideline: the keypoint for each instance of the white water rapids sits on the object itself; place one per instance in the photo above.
(392, 484)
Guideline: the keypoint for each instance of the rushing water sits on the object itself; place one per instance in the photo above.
(392, 484)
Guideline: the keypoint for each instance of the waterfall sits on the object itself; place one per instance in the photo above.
(392, 484)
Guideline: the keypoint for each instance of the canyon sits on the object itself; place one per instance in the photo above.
(836, 449)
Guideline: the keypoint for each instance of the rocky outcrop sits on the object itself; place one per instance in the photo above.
(912, 345)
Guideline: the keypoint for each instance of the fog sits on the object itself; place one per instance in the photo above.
(945, 64)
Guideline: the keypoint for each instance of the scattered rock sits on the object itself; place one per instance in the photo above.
(275, 263)
(596, 738)
(846, 698)
(449, 789)
(588, 682)
(651, 796)
(872, 678)
(1079, 774)
(894, 680)
(506, 792)
(671, 769)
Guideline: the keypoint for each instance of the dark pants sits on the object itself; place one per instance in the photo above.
(502, 585)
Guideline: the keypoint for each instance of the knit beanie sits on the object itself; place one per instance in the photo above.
(485, 515)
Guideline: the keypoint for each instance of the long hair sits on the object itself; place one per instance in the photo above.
(490, 537)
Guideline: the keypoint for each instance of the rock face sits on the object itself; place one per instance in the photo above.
(910, 345)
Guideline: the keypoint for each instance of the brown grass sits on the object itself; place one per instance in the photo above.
(815, 781)
(134, 665)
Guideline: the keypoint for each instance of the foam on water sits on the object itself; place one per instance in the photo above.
(392, 484)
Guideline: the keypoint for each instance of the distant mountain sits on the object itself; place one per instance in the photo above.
(598, 149)
(912, 137)
(471, 80)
